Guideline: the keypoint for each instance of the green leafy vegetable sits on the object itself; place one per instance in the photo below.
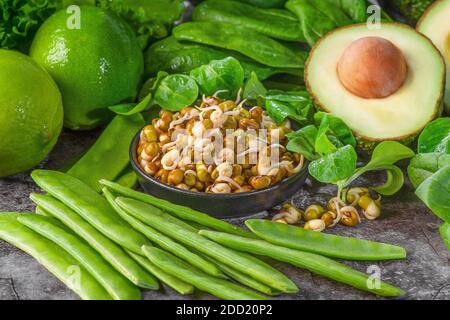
(444, 230)
(226, 74)
(336, 127)
(20, 19)
(149, 19)
(176, 92)
(435, 137)
(435, 193)
(424, 165)
(253, 88)
(302, 141)
(334, 167)
(266, 3)
(296, 105)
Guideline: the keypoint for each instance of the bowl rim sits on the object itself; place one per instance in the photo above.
(143, 174)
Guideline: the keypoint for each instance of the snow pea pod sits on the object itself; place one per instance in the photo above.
(173, 56)
(117, 285)
(324, 244)
(316, 264)
(276, 23)
(245, 279)
(91, 206)
(255, 45)
(163, 241)
(181, 212)
(52, 257)
(127, 178)
(178, 285)
(218, 287)
(172, 227)
(110, 251)
(115, 140)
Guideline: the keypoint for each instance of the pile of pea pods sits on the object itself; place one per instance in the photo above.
(118, 241)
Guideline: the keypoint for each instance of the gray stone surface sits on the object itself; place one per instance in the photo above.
(425, 274)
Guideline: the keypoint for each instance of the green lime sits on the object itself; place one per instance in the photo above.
(94, 58)
(31, 113)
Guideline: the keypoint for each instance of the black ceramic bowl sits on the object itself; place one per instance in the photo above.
(219, 205)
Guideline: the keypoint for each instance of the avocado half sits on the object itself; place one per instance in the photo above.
(435, 24)
(399, 116)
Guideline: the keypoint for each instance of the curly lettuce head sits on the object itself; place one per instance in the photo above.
(20, 19)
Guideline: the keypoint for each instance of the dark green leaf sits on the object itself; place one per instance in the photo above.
(226, 74)
(302, 141)
(435, 137)
(424, 165)
(334, 167)
(253, 88)
(176, 92)
(435, 193)
(394, 181)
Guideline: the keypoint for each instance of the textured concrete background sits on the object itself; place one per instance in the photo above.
(405, 221)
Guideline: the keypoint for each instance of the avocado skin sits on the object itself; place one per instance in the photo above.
(411, 9)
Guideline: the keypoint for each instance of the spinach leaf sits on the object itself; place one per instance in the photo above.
(149, 89)
(334, 167)
(424, 165)
(435, 193)
(383, 157)
(444, 230)
(302, 141)
(336, 127)
(355, 9)
(253, 88)
(296, 105)
(435, 137)
(176, 92)
(226, 74)
(323, 144)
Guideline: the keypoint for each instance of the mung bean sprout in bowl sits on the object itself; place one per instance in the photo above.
(219, 156)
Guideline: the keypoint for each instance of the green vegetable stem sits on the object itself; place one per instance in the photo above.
(317, 264)
(91, 206)
(117, 286)
(324, 244)
(217, 287)
(188, 236)
(110, 251)
(52, 257)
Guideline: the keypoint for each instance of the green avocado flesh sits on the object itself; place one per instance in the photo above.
(399, 116)
(435, 24)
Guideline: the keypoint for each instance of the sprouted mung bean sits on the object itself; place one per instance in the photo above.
(217, 146)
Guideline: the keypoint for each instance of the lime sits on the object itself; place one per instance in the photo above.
(31, 113)
(94, 58)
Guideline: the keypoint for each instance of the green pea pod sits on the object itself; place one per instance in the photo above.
(161, 240)
(181, 57)
(117, 286)
(261, 48)
(175, 283)
(181, 212)
(245, 279)
(52, 257)
(40, 211)
(127, 178)
(314, 263)
(115, 140)
(110, 251)
(218, 287)
(173, 228)
(275, 23)
(324, 244)
(91, 206)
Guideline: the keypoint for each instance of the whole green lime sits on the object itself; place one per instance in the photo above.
(94, 58)
(31, 113)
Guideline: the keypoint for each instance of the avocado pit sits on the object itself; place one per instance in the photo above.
(372, 68)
